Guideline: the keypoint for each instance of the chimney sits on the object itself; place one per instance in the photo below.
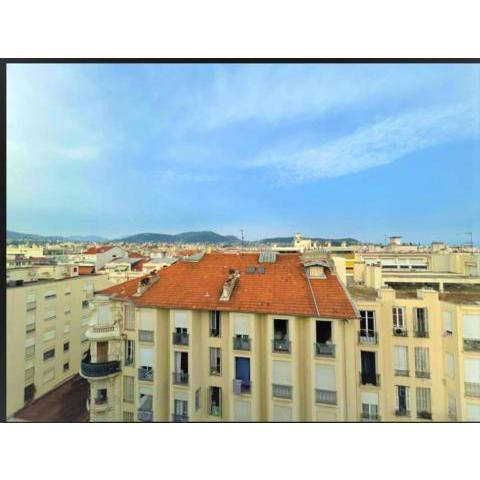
(229, 285)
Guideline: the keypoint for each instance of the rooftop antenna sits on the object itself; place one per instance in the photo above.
(470, 234)
(241, 231)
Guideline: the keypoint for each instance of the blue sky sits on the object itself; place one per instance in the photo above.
(327, 150)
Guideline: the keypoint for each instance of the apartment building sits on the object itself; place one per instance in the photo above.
(225, 337)
(47, 317)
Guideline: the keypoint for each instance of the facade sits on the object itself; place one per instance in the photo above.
(47, 317)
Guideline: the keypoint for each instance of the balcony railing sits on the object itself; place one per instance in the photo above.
(367, 337)
(215, 370)
(180, 378)
(145, 374)
(30, 328)
(425, 415)
(402, 373)
(242, 343)
(281, 345)
(328, 397)
(472, 389)
(282, 391)
(401, 412)
(471, 345)
(400, 332)
(145, 336)
(241, 386)
(145, 416)
(369, 379)
(95, 370)
(370, 417)
(420, 374)
(180, 338)
(101, 401)
(324, 349)
(421, 333)
(179, 418)
(215, 410)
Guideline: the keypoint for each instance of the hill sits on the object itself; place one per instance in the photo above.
(186, 237)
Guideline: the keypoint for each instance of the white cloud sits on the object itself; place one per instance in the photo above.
(371, 146)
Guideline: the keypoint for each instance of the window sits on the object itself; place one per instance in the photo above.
(66, 328)
(215, 401)
(30, 352)
(101, 397)
(49, 354)
(31, 302)
(422, 362)
(29, 374)
(180, 410)
(48, 375)
(129, 352)
(129, 317)
(128, 417)
(473, 412)
(452, 407)
(424, 406)
(85, 304)
(325, 384)
(66, 346)
(450, 365)
(66, 366)
(50, 314)
(50, 295)
(421, 322)
(215, 324)
(447, 323)
(197, 399)
(370, 406)
(402, 400)
(399, 324)
(281, 342)
(215, 361)
(29, 393)
(128, 389)
(401, 361)
(68, 290)
(368, 332)
(67, 310)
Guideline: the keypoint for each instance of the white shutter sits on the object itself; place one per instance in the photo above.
(49, 335)
(401, 358)
(68, 290)
(142, 390)
(242, 410)
(325, 377)
(281, 373)
(181, 396)
(31, 297)
(473, 412)
(447, 321)
(29, 342)
(282, 414)
(471, 326)
(241, 325)
(147, 319)
(103, 315)
(50, 314)
(472, 370)
(450, 365)
(48, 375)
(370, 398)
(146, 357)
(50, 293)
(30, 317)
(407, 396)
(29, 363)
(421, 359)
(66, 328)
(181, 319)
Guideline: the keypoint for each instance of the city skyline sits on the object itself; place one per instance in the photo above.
(357, 151)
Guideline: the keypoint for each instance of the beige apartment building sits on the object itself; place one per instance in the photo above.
(47, 316)
(278, 337)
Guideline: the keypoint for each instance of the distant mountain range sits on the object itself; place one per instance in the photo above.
(186, 237)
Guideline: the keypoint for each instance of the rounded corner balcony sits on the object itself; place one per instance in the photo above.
(88, 369)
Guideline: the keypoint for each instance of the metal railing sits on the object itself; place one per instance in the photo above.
(242, 343)
(328, 397)
(370, 417)
(424, 415)
(324, 349)
(145, 336)
(215, 410)
(421, 333)
(180, 338)
(281, 391)
(95, 370)
(367, 337)
(215, 370)
(471, 345)
(281, 345)
(400, 332)
(402, 373)
(145, 416)
(179, 418)
(401, 412)
(101, 401)
(240, 386)
(369, 379)
(145, 374)
(472, 389)
(180, 378)
(420, 374)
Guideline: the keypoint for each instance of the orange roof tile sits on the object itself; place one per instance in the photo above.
(85, 270)
(95, 250)
(282, 289)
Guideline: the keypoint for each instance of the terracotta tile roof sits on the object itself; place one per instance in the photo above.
(282, 289)
(86, 270)
(138, 267)
(134, 255)
(95, 250)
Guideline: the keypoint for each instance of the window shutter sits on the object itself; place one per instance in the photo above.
(282, 414)
(241, 325)
(325, 377)
(181, 320)
(281, 373)
(103, 315)
(401, 358)
(147, 319)
(370, 398)
(473, 412)
(146, 357)
(447, 321)
(472, 370)
(31, 297)
(49, 335)
(242, 410)
(421, 359)
(471, 326)
(450, 365)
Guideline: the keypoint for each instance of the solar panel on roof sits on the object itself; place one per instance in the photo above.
(268, 257)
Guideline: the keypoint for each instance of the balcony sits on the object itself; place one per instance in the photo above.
(145, 336)
(402, 412)
(145, 374)
(241, 386)
(472, 389)
(419, 374)
(324, 349)
(180, 378)
(370, 379)
(421, 333)
(424, 415)
(471, 345)
(402, 373)
(177, 418)
(328, 397)
(97, 370)
(282, 391)
(145, 415)
(180, 338)
(242, 343)
(400, 332)
(367, 337)
(281, 345)
(370, 417)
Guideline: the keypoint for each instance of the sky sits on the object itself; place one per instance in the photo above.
(328, 150)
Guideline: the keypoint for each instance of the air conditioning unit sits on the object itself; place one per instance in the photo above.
(398, 331)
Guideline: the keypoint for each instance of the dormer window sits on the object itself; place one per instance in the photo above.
(316, 271)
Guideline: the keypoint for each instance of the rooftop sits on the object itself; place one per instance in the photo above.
(95, 250)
